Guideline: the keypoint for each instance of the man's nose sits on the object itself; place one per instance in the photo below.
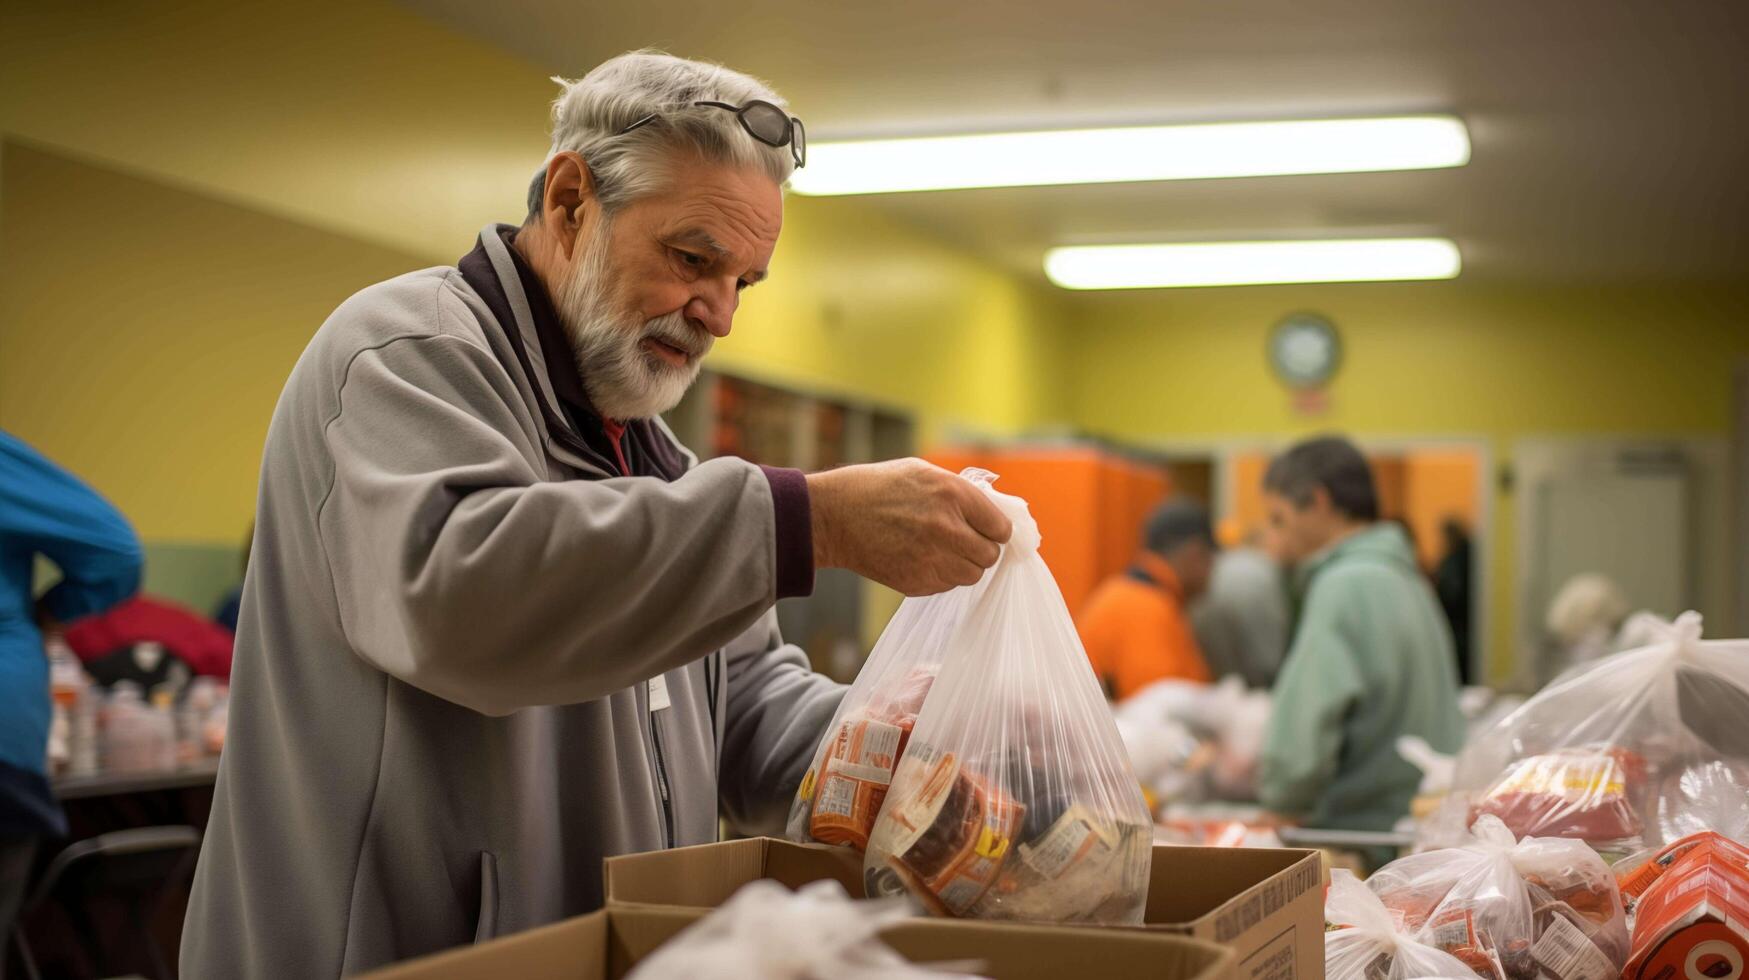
(713, 312)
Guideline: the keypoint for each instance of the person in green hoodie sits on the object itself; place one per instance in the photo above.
(1371, 656)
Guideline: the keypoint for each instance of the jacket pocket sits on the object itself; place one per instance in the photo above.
(487, 923)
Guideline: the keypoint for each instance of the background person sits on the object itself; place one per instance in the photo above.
(1136, 626)
(1371, 657)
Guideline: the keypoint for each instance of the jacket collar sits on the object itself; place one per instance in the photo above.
(1156, 571)
(574, 430)
(1382, 542)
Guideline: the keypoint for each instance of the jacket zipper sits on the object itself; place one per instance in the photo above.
(662, 784)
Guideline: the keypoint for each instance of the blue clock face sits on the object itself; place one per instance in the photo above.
(1305, 350)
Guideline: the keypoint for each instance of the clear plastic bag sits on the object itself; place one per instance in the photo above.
(1595, 755)
(1364, 940)
(767, 931)
(1511, 908)
(1015, 799)
(842, 792)
(1226, 716)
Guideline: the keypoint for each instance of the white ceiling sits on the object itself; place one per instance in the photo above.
(1610, 136)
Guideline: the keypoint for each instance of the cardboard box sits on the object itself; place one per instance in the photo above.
(606, 945)
(1267, 905)
(1692, 915)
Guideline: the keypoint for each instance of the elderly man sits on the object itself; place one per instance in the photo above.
(497, 624)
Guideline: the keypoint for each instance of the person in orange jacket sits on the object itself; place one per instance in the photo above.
(1136, 626)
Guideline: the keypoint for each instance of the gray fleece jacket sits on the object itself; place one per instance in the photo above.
(474, 659)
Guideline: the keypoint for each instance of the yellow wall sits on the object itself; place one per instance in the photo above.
(145, 333)
(859, 303)
(1460, 358)
(188, 189)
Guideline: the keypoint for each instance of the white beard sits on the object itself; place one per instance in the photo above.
(623, 379)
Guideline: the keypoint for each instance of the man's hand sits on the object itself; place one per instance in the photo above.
(906, 524)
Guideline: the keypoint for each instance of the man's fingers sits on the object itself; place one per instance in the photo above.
(984, 516)
(981, 550)
(964, 572)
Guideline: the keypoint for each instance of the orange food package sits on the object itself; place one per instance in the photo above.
(841, 795)
(854, 778)
(1693, 914)
(1584, 794)
(955, 834)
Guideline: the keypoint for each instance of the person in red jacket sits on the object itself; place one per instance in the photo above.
(1136, 626)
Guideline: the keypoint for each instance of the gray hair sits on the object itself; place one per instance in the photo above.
(591, 111)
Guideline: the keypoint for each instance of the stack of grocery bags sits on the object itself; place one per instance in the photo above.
(1598, 831)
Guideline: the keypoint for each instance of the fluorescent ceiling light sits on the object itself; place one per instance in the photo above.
(1252, 263)
(1099, 156)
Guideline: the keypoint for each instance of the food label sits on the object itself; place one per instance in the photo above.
(928, 794)
(1565, 953)
(837, 798)
(1069, 841)
(867, 750)
(1573, 776)
(1455, 929)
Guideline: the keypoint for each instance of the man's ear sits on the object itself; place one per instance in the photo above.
(566, 199)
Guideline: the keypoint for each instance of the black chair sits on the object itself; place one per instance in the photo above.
(134, 868)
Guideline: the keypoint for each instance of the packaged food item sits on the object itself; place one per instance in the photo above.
(1578, 793)
(1364, 941)
(1601, 753)
(842, 792)
(1693, 912)
(1510, 908)
(1014, 798)
(849, 784)
(953, 834)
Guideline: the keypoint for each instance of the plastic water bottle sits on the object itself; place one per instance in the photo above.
(67, 684)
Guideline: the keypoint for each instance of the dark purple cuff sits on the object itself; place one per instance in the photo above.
(795, 532)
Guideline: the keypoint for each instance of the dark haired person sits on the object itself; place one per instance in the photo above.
(1135, 626)
(1371, 658)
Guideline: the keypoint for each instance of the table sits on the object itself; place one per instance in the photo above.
(195, 774)
(108, 801)
(1353, 839)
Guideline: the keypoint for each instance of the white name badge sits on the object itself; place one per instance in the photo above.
(658, 693)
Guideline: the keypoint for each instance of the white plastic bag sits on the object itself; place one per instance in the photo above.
(842, 792)
(767, 931)
(1365, 943)
(1596, 755)
(1015, 799)
(1541, 906)
(1227, 717)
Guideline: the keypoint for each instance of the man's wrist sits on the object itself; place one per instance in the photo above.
(821, 516)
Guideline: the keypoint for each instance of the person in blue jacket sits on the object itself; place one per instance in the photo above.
(44, 510)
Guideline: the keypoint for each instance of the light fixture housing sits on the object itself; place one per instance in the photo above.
(1134, 153)
(1252, 263)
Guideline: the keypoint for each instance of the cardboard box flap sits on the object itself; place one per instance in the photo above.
(606, 945)
(1266, 904)
(599, 946)
(706, 875)
(1196, 886)
(1013, 951)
